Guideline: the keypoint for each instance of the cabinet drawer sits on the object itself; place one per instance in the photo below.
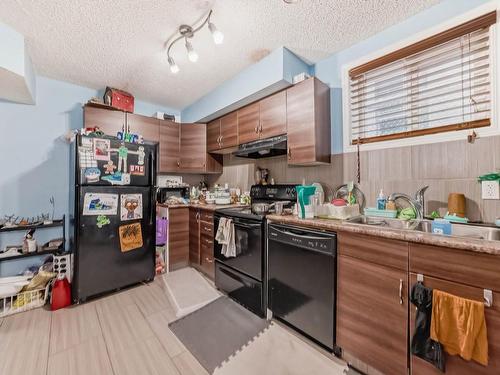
(207, 241)
(373, 249)
(454, 364)
(466, 267)
(207, 256)
(207, 216)
(207, 228)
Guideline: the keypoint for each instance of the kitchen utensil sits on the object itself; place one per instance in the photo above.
(456, 204)
(343, 193)
(320, 192)
(350, 188)
(262, 208)
(278, 207)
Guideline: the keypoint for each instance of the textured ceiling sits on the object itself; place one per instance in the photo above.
(95, 43)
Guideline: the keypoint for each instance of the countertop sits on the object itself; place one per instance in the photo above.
(208, 207)
(477, 245)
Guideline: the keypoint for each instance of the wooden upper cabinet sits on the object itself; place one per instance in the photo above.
(372, 314)
(229, 130)
(110, 122)
(169, 149)
(193, 147)
(249, 123)
(308, 123)
(273, 115)
(148, 127)
(213, 136)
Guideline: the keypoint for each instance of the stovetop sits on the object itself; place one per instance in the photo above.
(263, 194)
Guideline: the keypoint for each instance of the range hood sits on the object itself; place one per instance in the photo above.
(263, 148)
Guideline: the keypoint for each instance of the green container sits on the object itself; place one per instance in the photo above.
(303, 194)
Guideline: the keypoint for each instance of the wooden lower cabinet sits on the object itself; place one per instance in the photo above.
(372, 314)
(201, 240)
(454, 364)
(207, 255)
(178, 237)
(194, 236)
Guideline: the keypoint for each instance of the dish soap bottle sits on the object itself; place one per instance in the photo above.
(381, 200)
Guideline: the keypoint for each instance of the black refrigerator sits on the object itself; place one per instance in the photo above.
(114, 218)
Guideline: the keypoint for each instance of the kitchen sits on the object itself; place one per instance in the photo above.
(305, 198)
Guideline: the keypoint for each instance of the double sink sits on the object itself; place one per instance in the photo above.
(458, 230)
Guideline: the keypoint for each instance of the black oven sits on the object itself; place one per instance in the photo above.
(241, 277)
(249, 242)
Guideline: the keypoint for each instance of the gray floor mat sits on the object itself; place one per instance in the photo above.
(216, 331)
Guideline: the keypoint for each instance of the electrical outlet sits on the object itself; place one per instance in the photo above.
(490, 189)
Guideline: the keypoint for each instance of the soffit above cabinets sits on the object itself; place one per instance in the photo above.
(17, 80)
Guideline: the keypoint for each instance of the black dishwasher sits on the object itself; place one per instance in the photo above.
(302, 280)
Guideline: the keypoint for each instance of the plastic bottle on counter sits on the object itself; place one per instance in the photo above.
(381, 200)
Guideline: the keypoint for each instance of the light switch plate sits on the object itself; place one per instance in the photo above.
(490, 189)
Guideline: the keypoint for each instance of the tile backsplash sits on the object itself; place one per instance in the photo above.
(446, 167)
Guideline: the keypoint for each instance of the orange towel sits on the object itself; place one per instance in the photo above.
(459, 325)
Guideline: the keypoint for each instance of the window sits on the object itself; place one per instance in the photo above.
(440, 84)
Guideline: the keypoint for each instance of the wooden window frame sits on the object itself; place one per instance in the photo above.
(488, 19)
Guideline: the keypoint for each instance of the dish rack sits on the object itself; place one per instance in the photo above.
(24, 301)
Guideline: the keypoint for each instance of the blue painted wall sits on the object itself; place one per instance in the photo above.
(273, 73)
(35, 155)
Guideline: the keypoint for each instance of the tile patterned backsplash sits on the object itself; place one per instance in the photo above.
(446, 167)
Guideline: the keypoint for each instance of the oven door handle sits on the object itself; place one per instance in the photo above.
(248, 226)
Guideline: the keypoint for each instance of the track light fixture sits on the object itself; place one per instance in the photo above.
(187, 32)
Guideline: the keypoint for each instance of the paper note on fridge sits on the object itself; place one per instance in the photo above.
(130, 237)
(100, 204)
(131, 206)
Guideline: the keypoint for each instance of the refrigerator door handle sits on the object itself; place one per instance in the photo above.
(153, 206)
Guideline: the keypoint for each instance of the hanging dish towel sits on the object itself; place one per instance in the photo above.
(225, 236)
(459, 325)
(229, 249)
(221, 235)
(421, 343)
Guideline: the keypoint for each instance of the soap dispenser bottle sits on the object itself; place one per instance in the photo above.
(381, 200)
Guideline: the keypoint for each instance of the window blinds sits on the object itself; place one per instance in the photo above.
(440, 84)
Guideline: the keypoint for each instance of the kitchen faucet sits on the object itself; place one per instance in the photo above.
(417, 203)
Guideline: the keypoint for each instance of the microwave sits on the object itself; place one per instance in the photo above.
(163, 193)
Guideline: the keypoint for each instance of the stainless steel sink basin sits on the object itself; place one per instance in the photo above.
(457, 230)
(384, 222)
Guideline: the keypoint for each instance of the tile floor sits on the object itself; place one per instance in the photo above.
(124, 333)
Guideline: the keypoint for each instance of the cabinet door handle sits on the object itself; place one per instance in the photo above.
(289, 153)
(257, 129)
(400, 291)
(260, 129)
(209, 260)
(197, 217)
(221, 140)
(207, 229)
(208, 241)
(178, 164)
